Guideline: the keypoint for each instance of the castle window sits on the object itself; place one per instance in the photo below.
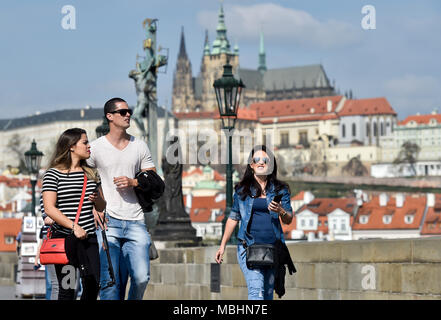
(354, 130)
(387, 219)
(284, 138)
(364, 219)
(408, 219)
(343, 131)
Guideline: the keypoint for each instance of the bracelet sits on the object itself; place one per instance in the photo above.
(73, 227)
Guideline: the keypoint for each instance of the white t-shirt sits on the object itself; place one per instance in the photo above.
(112, 162)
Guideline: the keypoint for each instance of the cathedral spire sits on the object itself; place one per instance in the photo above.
(221, 43)
(206, 44)
(262, 56)
(182, 52)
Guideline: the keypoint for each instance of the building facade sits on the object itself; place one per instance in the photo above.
(17, 134)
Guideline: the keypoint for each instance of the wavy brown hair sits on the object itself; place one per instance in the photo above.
(61, 159)
(248, 181)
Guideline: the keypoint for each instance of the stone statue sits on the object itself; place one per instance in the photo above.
(140, 78)
(173, 186)
(145, 77)
(174, 223)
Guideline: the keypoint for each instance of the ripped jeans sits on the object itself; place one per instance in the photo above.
(260, 282)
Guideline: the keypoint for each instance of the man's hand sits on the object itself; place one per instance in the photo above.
(125, 182)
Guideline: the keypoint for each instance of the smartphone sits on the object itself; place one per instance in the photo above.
(97, 187)
(277, 198)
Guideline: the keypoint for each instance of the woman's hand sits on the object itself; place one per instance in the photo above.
(93, 197)
(48, 221)
(276, 207)
(220, 254)
(79, 232)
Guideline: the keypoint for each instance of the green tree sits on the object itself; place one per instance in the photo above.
(18, 146)
(408, 155)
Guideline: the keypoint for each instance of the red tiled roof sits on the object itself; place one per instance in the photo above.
(432, 223)
(324, 206)
(218, 176)
(201, 208)
(295, 107)
(196, 115)
(413, 205)
(196, 170)
(298, 196)
(17, 182)
(7, 207)
(9, 227)
(247, 114)
(421, 119)
(366, 107)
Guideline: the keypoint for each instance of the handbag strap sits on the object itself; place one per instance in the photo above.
(77, 217)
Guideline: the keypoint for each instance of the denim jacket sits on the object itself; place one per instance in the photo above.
(241, 210)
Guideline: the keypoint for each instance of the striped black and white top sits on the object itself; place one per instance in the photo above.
(69, 187)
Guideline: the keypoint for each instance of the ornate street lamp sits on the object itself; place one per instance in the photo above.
(33, 162)
(102, 129)
(228, 90)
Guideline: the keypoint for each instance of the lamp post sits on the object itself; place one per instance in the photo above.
(102, 129)
(228, 90)
(33, 162)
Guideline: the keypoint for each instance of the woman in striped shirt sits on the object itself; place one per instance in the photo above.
(62, 189)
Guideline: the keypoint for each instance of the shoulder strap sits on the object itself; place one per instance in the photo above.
(82, 199)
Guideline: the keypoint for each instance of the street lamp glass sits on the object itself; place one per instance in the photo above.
(228, 90)
(33, 158)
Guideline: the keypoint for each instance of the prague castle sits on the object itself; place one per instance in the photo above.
(192, 94)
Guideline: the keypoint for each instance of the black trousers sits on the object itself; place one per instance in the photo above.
(83, 256)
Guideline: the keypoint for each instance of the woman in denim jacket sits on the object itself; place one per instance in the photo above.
(259, 217)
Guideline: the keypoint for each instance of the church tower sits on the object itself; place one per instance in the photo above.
(183, 92)
(213, 62)
(262, 56)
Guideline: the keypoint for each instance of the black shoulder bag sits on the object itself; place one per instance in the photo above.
(260, 256)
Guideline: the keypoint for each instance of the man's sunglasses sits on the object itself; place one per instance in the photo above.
(257, 159)
(123, 112)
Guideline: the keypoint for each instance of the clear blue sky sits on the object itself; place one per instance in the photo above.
(46, 68)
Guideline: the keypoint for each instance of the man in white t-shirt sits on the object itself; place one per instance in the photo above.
(118, 156)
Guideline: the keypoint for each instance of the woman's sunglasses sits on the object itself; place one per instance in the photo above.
(257, 159)
(123, 112)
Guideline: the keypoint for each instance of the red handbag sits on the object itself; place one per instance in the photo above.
(53, 251)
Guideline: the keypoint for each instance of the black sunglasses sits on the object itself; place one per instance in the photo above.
(257, 159)
(123, 112)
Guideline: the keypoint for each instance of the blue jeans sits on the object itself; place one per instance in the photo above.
(260, 282)
(48, 282)
(129, 244)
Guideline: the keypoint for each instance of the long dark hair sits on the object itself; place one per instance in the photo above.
(61, 159)
(248, 181)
